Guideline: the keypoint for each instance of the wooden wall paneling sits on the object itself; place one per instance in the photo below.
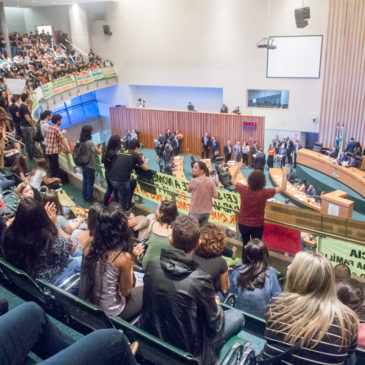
(343, 91)
(151, 122)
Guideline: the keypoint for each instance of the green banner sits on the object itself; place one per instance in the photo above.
(47, 90)
(342, 252)
(63, 84)
(167, 186)
(98, 74)
(109, 72)
(35, 103)
(84, 77)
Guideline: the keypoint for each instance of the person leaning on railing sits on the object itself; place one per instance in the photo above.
(253, 202)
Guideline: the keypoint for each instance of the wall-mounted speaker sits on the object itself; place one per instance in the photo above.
(301, 16)
(106, 29)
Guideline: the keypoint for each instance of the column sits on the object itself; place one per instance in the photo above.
(79, 28)
(4, 28)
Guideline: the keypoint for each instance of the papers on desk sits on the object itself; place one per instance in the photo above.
(244, 182)
(300, 197)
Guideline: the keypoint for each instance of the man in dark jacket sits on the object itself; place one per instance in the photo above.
(260, 160)
(206, 145)
(227, 150)
(179, 304)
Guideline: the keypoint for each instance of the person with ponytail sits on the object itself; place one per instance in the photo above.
(107, 278)
(308, 315)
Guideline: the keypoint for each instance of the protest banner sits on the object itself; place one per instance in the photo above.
(16, 86)
(84, 77)
(344, 252)
(167, 187)
(63, 83)
(109, 72)
(47, 90)
(35, 104)
(98, 74)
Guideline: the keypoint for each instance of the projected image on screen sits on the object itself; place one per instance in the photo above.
(297, 57)
(268, 99)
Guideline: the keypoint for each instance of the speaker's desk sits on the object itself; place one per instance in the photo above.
(350, 176)
(232, 168)
(179, 167)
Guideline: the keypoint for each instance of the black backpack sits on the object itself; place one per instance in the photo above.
(38, 134)
(81, 154)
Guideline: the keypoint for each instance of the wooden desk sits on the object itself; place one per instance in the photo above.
(350, 176)
(232, 168)
(179, 167)
(292, 192)
(335, 203)
(362, 167)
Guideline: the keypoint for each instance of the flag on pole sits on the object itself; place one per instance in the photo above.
(337, 140)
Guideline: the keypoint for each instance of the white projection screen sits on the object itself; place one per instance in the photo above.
(295, 57)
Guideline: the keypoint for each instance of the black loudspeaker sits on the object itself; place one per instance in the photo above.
(301, 16)
(106, 29)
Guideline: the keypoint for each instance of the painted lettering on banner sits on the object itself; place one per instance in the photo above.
(85, 77)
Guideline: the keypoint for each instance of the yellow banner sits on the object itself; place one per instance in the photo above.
(342, 252)
(167, 187)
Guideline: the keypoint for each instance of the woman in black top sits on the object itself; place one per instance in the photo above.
(109, 157)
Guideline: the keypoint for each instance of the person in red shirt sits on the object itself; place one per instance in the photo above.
(253, 202)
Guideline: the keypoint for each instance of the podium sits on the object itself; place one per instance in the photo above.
(335, 203)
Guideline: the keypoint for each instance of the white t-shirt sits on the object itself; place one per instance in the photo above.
(37, 179)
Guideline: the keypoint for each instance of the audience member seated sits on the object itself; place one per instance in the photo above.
(350, 293)
(19, 167)
(254, 282)
(311, 191)
(67, 226)
(160, 230)
(350, 146)
(342, 159)
(342, 273)
(33, 244)
(27, 328)
(24, 190)
(107, 278)
(309, 312)
(301, 186)
(179, 303)
(82, 236)
(5, 183)
(333, 152)
(208, 255)
(190, 106)
(39, 177)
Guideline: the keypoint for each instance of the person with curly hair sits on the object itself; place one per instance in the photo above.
(253, 202)
(208, 255)
(107, 278)
(254, 281)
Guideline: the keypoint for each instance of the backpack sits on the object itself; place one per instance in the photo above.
(81, 154)
(38, 134)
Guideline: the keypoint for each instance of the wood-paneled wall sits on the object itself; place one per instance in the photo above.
(151, 122)
(343, 95)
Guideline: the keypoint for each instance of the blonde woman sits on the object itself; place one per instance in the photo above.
(308, 310)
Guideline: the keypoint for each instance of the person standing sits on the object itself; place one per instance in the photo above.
(3, 139)
(88, 170)
(297, 147)
(26, 125)
(260, 160)
(14, 111)
(111, 154)
(253, 202)
(206, 142)
(254, 149)
(120, 174)
(237, 151)
(227, 150)
(215, 148)
(271, 153)
(54, 138)
(289, 149)
(245, 152)
(203, 190)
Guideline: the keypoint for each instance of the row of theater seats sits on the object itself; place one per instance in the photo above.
(85, 317)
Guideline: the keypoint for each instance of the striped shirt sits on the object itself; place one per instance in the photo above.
(327, 351)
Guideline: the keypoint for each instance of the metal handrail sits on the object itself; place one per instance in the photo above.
(10, 136)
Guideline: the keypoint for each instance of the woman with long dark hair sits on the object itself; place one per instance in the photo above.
(254, 281)
(88, 171)
(32, 243)
(111, 153)
(107, 278)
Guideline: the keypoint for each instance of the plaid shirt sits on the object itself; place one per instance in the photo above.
(53, 140)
